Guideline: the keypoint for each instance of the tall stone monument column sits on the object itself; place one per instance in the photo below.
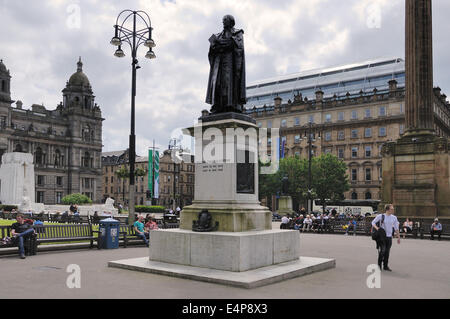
(419, 68)
(416, 168)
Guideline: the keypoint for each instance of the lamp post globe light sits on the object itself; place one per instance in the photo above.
(135, 38)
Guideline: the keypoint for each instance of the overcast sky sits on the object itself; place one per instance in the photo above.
(42, 40)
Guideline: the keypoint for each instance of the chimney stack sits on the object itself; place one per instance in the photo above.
(278, 101)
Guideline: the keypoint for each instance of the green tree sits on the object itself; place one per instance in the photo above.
(124, 173)
(295, 169)
(329, 178)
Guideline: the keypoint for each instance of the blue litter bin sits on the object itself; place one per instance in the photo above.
(109, 234)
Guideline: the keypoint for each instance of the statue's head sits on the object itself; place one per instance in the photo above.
(228, 21)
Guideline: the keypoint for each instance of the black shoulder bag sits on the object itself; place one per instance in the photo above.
(380, 234)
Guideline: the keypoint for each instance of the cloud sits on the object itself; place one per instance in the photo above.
(46, 37)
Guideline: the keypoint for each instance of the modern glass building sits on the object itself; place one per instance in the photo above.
(340, 80)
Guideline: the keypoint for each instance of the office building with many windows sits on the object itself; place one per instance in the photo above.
(354, 109)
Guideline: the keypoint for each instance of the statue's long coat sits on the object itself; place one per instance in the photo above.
(227, 72)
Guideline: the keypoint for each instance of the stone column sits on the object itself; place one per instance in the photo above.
(419, 68)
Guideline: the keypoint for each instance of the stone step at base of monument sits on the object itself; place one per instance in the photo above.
(248, 279)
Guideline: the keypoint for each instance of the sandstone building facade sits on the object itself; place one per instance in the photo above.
(176, 180)
(66, 142)
(118, 188)
(354, 110)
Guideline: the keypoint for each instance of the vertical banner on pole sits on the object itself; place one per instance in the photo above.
(278, 149)
(150, 172)
(156, 169)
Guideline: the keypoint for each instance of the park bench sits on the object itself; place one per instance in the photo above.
(29, 243)
(169, 221)
(425, 230)
(363, 227)
(65, 233)
(128, 235)
(413, 234)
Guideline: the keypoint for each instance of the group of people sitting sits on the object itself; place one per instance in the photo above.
(307, 222)
(142, 227)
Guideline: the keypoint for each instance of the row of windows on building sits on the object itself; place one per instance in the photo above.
(41, 158)
(368, 114)
(367, 195)
(125, 189)
(354, 153)
(188, 190)
(40, 196)
(111, 178)
(354, 134)
(168, 178)
(368, 177)
(42, 180)
(185, 167)
(327, 136)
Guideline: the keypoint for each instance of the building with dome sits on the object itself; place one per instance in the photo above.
(66, 142)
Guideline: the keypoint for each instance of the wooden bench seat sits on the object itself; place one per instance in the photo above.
(65, 233)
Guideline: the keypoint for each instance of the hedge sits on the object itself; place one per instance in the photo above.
(149, 209)
(78, 199)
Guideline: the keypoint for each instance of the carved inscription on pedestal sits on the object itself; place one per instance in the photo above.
(212, 168)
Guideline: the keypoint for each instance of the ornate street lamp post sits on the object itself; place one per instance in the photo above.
(134, 38)
(311, 138)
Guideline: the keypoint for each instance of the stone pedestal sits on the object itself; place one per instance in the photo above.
(285, 205)
(226, 185)
(416, 176)
(226, 175)
(236, 252)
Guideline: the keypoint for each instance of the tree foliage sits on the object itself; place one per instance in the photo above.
(124, 172)
(328, 178)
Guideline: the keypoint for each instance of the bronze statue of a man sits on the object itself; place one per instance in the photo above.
(226, 85)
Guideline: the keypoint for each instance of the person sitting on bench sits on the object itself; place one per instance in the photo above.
(20, 231)
(436, 229)
(140, 231)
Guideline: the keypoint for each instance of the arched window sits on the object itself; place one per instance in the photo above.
(39, 156)
(3, 86)
(368, 195)
(18, 148)
(354, 195)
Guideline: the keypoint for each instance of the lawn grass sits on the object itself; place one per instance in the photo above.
(4, 222)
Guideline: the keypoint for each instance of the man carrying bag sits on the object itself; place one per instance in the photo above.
(385, 225)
